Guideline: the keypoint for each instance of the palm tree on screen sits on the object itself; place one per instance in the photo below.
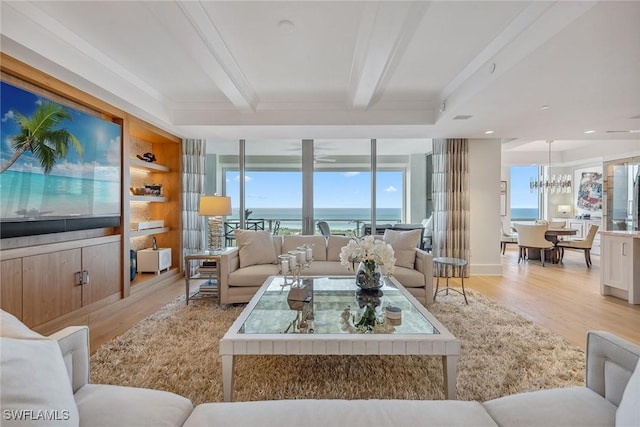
(39, 135)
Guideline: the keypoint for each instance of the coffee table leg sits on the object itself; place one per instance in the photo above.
(449, 369)
(228, 360)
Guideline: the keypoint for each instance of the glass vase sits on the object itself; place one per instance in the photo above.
(368, 276)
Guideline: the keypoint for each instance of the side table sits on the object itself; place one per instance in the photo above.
(210, 271)
(447, 262)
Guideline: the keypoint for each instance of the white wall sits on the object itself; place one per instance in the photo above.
(484, 174)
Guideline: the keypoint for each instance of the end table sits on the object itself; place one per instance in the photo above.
(212, 270)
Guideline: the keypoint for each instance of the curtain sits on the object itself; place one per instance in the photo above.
(193, 173)
(451, 215)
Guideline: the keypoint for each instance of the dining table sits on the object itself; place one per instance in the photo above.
(554, 235)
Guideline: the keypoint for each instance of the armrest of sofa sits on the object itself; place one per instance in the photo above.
(611, 361)
(74, 344)
(229, 262)
(424, 265)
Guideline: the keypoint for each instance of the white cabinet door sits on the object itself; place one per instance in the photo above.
(616, 257)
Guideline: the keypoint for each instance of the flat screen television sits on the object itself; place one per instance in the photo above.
(83, 186)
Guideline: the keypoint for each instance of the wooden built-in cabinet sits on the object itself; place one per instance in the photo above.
(50, 281)
(54, 280)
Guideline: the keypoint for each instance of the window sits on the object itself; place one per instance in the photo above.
(525, 203)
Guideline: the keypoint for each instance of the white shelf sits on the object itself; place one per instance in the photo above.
(148, 198)
(136, 163)
(149, 231)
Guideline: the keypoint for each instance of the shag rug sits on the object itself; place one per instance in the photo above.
(176, 349)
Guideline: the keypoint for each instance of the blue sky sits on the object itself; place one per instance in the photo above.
(331, 189)
(100, 139)
(521, 196)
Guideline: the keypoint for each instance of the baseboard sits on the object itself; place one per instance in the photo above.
(485, 269)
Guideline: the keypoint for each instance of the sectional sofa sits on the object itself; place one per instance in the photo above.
(45, 381)
(245, 268)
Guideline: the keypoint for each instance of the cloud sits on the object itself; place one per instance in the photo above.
(351, 173)
(247, 178)
(390, 189)
(9, 115)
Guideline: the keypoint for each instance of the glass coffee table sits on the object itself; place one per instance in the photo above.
(325, 323)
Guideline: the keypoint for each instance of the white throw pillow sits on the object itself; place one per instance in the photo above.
(404, 244)
(11, 327)
(255, 247)
(628, 413)
(35, 384)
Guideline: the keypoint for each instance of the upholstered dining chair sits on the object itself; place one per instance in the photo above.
(532, 237)
(506, 237)
(582, 244)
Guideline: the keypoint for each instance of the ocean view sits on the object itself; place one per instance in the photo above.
(524, 213)
(338, 218)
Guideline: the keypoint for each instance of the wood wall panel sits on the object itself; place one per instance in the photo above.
(11, 286)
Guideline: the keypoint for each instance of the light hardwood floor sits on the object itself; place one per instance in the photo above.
(563, 298)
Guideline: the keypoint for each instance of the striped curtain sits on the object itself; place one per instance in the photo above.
(193, 174)
(451, 201)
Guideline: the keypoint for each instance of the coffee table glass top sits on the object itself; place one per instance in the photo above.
(334, 302)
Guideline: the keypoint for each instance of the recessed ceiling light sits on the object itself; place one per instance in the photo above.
(489, 132)
(634, 131)
(589, 131)
(462, 117)
(545, 107)
(286, 26)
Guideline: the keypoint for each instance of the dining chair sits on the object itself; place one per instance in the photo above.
(533, 237)
(506, 237)
(582, 244)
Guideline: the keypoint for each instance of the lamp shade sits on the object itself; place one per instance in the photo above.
(214, 206)
(564, 208)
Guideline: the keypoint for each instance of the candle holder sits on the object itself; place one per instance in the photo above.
(293, 262)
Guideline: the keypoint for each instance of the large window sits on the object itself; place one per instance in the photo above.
(525, 203)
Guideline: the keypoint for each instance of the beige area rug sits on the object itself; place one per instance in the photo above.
(176, 349)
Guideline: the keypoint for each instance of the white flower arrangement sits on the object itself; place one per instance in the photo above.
(369, 251)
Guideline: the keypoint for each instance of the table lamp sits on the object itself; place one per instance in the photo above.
(215, 207)
(564, 209)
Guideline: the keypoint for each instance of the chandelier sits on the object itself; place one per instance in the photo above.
(553, 184)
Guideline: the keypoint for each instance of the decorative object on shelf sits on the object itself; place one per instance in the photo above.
(215, 207)
(133, 268)
(137, 191)
(375, 258)
(552, 184)
(147, 157)
(153, 190)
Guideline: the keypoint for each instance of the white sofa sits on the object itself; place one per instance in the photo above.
(244, 269)
(49, 376)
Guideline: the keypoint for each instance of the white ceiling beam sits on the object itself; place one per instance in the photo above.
(536, 25)
(215, 58)
(385, 31)
(29, 27)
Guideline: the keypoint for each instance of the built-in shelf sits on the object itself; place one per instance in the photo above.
(149, 231)
(136, 163)
(148, 199)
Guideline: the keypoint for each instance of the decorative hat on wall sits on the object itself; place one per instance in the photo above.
(147, 157)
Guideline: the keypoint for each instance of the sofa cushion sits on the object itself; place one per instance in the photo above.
(11, 327)
(327, 268)
(254, 275)
(255, 247)
(34, 379)
(335, 245)
(572, 406)
(322, 413)
(404, 244)
(408, 277)
(109, 405)
(628, 413)
(291, 243)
